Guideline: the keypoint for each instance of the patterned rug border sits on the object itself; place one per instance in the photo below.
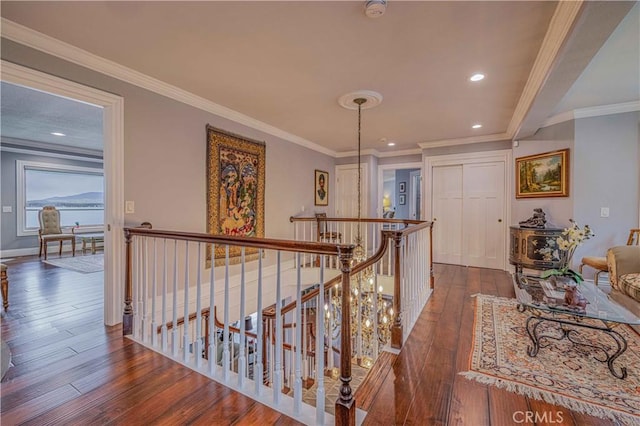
(519, 387)
(85, 264)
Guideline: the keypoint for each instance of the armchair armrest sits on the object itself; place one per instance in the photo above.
(622, 260)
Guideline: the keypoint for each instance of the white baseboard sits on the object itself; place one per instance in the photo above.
(34, 251)
(18, 252)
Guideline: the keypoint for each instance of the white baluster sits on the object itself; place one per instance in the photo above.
(225, 340)
(241, 356)
(154, 295)
(320, 318)
(143, 293)
(257, 357)
(277, 369)
(297, 389)
(213, 335)
(165, 343)
(185, 325)
(198, 338)
(174, 331)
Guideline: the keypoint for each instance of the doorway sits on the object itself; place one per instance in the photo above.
(400, 191)
(113, 139)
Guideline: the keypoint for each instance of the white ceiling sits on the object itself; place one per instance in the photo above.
(286, 63)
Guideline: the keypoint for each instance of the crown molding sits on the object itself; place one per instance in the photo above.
(465, 141)
(48, 147)
(50, 154)
(595, 111)
(562, 22)
(378, 154)
(371, 151)
(52, 46)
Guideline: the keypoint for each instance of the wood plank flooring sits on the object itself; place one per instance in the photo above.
(423, 387)
(71, 369)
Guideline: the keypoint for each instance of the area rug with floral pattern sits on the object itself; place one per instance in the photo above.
(562, 373)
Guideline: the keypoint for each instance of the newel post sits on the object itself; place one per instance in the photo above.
(396, 327)
(127, 316)
(345, 405)
(431, 277)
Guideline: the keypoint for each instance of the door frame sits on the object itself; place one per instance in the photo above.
(397, 166)
(415, 176)
(113, 156)
(505, 155)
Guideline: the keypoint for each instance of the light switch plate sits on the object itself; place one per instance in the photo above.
(129, 207)
(604, 211)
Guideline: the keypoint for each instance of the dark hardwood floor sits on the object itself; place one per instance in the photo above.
(71, 369)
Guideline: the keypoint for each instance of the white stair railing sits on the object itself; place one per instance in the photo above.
(171, 300)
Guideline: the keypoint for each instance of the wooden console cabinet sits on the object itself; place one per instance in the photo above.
(525, 245)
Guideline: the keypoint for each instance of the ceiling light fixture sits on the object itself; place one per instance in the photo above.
(477, 77)
(375, 8)
(391, 144)
(476, 126)
(58, 134)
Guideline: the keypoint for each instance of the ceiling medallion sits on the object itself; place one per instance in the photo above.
(372, 99)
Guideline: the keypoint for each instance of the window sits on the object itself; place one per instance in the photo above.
(77, 192)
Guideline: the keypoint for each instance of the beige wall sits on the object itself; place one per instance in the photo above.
(165, 154)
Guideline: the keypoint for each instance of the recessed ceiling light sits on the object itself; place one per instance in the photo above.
(476, 126)
(391, 144)
(58, 134)
(477, 77)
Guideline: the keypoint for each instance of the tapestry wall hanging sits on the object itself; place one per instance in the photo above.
(543, 175)
(235, 191)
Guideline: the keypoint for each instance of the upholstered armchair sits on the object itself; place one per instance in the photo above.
(50, 230)
(624, 275)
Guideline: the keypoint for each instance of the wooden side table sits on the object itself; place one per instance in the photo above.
(91, 239)
(4, 286)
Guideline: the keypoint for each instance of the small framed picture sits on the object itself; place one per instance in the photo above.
(402, 188)
(321, 188)
(402, 200)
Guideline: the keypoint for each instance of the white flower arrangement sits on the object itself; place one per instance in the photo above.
(562, 249)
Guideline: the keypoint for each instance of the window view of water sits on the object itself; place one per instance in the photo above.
(69, 217)
(78, 195)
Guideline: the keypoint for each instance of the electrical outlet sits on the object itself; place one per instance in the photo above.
(129, 207)
(7, 209)
(604, 211)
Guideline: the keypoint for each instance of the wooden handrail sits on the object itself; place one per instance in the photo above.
(353, 219)
(254, 242)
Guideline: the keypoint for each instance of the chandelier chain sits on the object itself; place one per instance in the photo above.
(359, 101)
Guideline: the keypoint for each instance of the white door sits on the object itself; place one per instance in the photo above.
(483, 214)
(447, 214)
(346, 198)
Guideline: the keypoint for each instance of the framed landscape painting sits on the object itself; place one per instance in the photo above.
(543, 175)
